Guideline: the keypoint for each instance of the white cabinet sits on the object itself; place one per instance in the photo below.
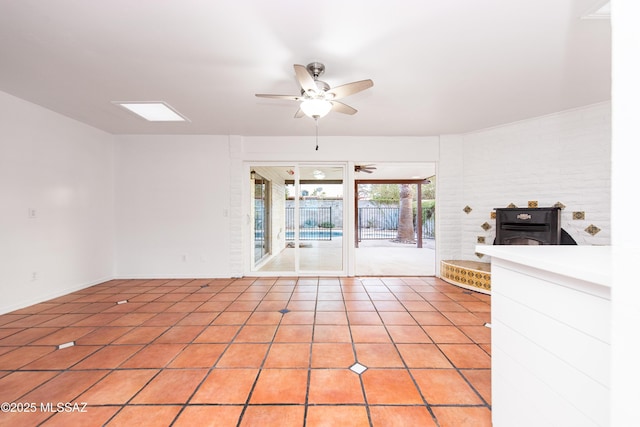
(551, 321)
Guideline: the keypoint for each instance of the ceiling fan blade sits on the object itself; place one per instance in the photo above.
(339, 107)
(305, 79)
(287, 97)
(365, 168)
(350, 88)
(299, 114)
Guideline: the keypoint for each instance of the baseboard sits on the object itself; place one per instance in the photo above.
(47, 297)
(169, 276)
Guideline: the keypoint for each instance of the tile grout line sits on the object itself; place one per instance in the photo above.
(108, 293)
(159, 371)
(313, 329)
(204, 378)
(406, 367)
(260, 368)
(457, 369)
(111, 370)
(355, 356)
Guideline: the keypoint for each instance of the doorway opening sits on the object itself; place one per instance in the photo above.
(395, 227)
(305, 220)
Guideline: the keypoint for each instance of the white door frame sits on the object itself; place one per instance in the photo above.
(348, 256)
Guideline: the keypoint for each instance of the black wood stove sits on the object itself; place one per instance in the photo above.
(529, 226)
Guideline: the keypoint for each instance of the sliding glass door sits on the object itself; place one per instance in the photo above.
(297, 219)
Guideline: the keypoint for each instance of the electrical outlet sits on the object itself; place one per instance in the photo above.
(34, 276)
(31, 213)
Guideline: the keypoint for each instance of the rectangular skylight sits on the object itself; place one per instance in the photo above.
(601, 10)
(153, 111)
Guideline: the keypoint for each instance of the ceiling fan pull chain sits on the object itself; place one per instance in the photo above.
(316, 133)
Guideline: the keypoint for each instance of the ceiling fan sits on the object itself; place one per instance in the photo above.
(365, 168)
(316, 97)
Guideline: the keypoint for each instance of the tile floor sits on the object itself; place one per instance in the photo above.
(250, 352)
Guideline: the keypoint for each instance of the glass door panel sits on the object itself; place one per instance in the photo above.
(273, 197)
(261, 214)
(320, 218)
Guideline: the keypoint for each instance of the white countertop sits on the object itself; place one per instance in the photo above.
(589, 263)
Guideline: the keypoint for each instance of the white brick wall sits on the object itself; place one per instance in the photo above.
(449, 193)
(237, 192)
(563, 157)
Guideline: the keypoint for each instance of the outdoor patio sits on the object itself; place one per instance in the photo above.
(373, 257)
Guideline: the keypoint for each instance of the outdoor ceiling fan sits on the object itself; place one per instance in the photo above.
(365, 168)
(316, 97)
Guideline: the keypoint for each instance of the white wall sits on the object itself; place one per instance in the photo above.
(61, 170)
(172, 206)
(449, 194)
(339, 148)
(179, 200)
(563, 157)
(625, 206)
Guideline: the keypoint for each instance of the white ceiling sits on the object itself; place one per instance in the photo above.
(438, 66)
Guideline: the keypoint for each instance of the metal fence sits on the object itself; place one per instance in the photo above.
(316, 223)
(374, 223)
(428, 223)
(381, 223)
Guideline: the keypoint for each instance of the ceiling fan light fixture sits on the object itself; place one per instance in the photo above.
(317, 97)
(316, 108)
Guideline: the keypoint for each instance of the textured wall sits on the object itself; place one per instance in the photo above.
(560, 158)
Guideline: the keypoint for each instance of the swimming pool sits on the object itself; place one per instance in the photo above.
(315, 234)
